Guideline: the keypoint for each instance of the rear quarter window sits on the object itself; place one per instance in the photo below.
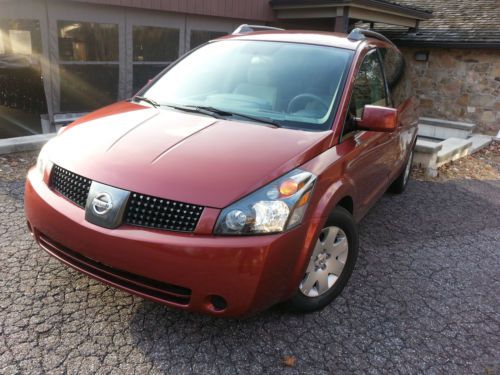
(394, 69)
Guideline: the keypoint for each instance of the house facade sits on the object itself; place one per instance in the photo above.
(73, 56)
(454, 61)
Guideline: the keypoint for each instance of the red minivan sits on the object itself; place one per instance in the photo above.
(235, 179)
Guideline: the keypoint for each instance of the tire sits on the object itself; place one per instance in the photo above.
(400, 183)
(341, 219)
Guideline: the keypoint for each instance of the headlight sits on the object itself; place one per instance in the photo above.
(277, 206)
(42, 162)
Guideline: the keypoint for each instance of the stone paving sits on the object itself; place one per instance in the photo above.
(424, 298)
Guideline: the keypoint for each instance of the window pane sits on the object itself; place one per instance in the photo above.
(20, 36)
(22, 97)
(369, 85)
(88, 87)
(155, 43)
(393, 65)
(198, 37)
(143, 73)
(394, 68)
(86, 41)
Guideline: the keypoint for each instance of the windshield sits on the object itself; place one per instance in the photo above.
(293, 85)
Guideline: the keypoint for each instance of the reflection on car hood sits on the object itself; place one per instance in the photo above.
(186, 157)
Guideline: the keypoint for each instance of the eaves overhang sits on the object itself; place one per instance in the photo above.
(379, 11)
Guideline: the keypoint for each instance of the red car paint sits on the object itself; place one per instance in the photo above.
(183, 161)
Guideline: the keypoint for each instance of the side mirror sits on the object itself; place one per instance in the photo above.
(379, 119)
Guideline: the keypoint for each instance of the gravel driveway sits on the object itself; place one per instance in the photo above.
(424, 298)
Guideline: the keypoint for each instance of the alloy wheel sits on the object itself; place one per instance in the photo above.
(327, 262)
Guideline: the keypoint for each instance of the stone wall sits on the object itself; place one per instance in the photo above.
(457, 85)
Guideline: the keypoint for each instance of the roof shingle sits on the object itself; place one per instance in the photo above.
(472, 23)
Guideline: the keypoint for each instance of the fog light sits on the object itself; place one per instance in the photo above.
(218, 302)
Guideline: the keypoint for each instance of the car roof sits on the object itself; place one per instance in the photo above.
(330, 39)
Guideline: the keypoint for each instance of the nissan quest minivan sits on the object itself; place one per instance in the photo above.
(235, 179)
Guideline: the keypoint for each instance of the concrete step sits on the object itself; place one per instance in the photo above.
(427, 146)
(29, 143)
(446, 123)
(452, 149)
(479, 141)
(443, 129)
(425, 155)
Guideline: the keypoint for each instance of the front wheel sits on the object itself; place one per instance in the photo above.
(331, 263)
(399, 185)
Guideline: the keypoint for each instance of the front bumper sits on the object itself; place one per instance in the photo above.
(176, 269)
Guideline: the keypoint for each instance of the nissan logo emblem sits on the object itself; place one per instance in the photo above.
(102, 203)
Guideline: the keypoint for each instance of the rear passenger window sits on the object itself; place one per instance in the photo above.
(394, 64)
(369, 87)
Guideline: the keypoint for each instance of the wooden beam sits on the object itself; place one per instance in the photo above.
(370, 15)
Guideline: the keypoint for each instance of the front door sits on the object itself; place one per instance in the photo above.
(371, 151)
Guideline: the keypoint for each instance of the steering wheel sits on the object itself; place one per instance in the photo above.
(292, 106)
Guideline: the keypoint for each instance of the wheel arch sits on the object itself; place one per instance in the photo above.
(341, 192)
(346, 202)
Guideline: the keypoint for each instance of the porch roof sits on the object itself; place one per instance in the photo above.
(345, 11)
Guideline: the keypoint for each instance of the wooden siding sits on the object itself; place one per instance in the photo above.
(255, 10)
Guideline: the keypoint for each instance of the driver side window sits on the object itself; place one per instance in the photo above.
(369, 88)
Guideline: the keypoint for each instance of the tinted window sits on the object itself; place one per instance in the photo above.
(198, 37)
(87, 41)
(20, 37)
(88, 87)
(369, 86)
(155, 43)
(393, 63)
(22, 97)
(294, 84)
(143, 73)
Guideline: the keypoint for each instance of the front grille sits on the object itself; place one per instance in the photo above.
(151, 212)
(129, 281)
(142, 210)
(70, 185)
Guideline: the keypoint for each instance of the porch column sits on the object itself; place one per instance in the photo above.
(342, 20)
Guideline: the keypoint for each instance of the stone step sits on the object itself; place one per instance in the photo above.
(452, 149)
(425, 155)
(446, 123)
(479, 141)
(443, 129)
(427, 146)
(438, 132)
(28, 143)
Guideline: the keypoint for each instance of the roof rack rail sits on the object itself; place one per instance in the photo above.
(243, 29)
(361, 34)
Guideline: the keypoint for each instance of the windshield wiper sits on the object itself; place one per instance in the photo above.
(223, 112)
(147, 100)
(195, 109)
(220, 113)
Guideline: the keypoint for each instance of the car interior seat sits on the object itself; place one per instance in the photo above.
(258, 84)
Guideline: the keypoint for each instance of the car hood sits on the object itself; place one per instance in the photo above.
(180, 156)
